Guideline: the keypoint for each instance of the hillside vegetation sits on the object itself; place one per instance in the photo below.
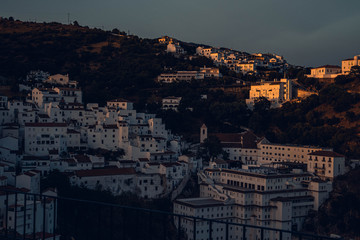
(340, 214)
(106, 64)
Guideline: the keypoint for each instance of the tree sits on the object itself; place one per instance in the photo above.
(212, 147)
(115, 31)
(57, 180)
(350, 115)
(355, 71)
(262, 105)
(76, 24)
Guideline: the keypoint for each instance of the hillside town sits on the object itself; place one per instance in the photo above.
(117, 149)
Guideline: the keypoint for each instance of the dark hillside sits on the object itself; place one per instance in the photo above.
(107, 64)
(110, 64)
(340, 214)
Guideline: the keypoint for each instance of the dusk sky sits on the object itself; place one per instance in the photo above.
(306, 33)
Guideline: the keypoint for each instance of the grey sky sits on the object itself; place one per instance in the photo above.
(306, 32)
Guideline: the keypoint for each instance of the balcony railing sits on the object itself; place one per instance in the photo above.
(70, 218)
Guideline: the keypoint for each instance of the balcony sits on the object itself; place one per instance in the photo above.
(70, 218)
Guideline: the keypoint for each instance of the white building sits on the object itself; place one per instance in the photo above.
(40, 96)
(58, 79)
(4, 111)
(276, 92)
(171, 103)
(69, 95)
(150, 186)
(174, 48)
(37, 76)
(347, 64)
(39, 164)
(40, 138)
(244, 67)
(183, 76)
(211, 72)
(120, 103)
(240, 146)
(29, 180)
(16, 215)
(21, 112)
(116, 180)
(259, 197)
(204, 51)
(3, 102)
(326, 164)
(167, 78)
(273, 152)
(325, 72)
(194, 163)
(108, 136)
(249, 149)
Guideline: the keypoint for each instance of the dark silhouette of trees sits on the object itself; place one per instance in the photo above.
(211, 148)
(340, 214)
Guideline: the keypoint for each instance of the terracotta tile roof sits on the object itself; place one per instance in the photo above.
(50, 189)
(43, 115)
(82, 159)
(45, 125)
(53, 152)
(163, 153)
(29, 158)
(228, 137)
(30, 173)
(74, 104)
(199, 202)
(119, 100)
(17, 205)
(190, 155)
(127, 161)
(110, 126)
(139, 125)
(170, 164)
(26, 190)
(69, 161)
(220, 161)
(39, 235)
(231, 145)
(260, 175)
(153, 163)
(9, 188)
(236, 140)
(3, 178)
(105, 172)
(72, 131)
(326, 154)
(69, 89)
(329, 66)
(159, 138)
(145, 136)
(46, 90)
(289, 199)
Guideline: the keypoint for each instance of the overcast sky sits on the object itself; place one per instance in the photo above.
(306, 32)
